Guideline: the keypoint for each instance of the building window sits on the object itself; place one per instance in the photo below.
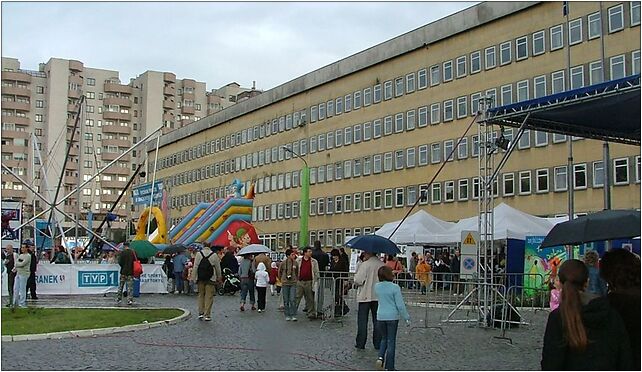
(338, 105)
(410, 157)
(539, 43)
(449, 191)
(541, 138)
(347, 103)
(376, 164)
(448, 110)
(399, 123)
(462, 107)
(617, 67)
(637, 163)
(598, 174)
(387, 161)
(474, 150)
(367, 98)
(448, 150)
(595, 72)
(475, 62)
(557, 37)
(436, 193)
(357, 100)
(475, 187)
(509, 184)
(635, 13)
(423, 116)
(594, 26)
(38, 118)
(542, 180)
(462, 193)
(521, 48)
(559, 138)
(462, 149)
(557, 82)
(399, 87)
(376, 96)
(410, 82)
(399, 197)
(422, 79)
(435, 75)
(507, 94)
(435, 115)
(376, 128)
(524, 182)
(387, 90)
(522, 91)
(575, 31)
(448, 70)
(577, 77)
(423, 155)
(91, 81)
(616, 18)
(489, 57)
(435, 153)
(579, 171)
(505, 53)
(461, 66)
(387, 198)
(475, 98)
(621, 171)
(635, 64)
(561, 178)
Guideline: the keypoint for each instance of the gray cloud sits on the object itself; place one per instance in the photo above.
(270, 42)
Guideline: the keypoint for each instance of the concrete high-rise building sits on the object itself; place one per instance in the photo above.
(43, 104)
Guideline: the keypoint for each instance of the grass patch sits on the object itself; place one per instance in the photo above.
(45, 320)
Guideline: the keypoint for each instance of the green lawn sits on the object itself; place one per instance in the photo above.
(46, 320)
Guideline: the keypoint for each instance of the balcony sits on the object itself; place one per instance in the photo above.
(189, 96)
(117, 88)
(116, 142)
(184, 122)
(13, 149)
(189, 83)
(7, 177)
(73, 151)
(71, 180)
(16, 76)
(119, 101)
(75, 65)
(72, 107)
(76, 79)
(169, 77)
(116, 129)
(13, 162)
(14, 194)
(18, 120)
(113, 184)
(189, 110)
(11, 105)
(115, 169)
(168, 116)
(18, 91)
(169, 104)
(110, 115)
(109, 156)
(14, 134)
(71, 165)
(73, 93)
(108, 198)
(71, 122)
(169, 90)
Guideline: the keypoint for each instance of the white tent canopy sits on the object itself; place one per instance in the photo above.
(510, 223)
(420, 227)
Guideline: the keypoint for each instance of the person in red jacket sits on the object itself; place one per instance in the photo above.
(274, 272)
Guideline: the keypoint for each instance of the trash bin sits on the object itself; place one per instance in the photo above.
(136, 287)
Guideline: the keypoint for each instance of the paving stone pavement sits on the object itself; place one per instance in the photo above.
(265, 341)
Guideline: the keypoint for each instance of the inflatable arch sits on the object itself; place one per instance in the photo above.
(141, 227)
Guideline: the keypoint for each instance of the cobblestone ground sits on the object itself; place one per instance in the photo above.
(265, 341)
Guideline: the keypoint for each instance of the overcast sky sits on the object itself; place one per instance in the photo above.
(213, 42)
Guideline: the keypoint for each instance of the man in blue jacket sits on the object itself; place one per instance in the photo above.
(179, 265)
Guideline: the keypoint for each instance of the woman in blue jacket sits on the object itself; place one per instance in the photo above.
(391, 309)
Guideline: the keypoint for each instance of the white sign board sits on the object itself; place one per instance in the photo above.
(468, 248)
(56, 279)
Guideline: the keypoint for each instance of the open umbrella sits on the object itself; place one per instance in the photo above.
(604, 225)
(143, 248)
(254, 249)
(173, 249)
(373, 244)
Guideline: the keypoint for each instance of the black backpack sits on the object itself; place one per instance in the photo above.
(205, 268)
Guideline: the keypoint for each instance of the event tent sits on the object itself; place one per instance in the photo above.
(510, 223)
(420, 227)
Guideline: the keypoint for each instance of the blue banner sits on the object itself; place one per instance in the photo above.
(141, 194)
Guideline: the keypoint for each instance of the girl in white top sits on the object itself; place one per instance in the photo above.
(262, 278)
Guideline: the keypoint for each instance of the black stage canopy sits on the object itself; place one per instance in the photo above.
(607, 111)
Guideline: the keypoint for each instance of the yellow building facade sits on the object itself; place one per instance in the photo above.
(375, 127)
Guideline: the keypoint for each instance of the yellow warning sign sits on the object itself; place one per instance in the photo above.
(469, 239)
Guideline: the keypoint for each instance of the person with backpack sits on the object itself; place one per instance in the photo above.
(206, 275)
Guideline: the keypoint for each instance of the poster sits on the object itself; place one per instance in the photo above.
(541, 264)
(11, 219)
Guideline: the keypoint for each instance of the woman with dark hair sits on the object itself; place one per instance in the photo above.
(584, 332)
(621, 270)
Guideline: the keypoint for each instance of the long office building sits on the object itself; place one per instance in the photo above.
(39, 111)
(375, 127)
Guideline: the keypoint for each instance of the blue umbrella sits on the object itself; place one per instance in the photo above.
(373, 244)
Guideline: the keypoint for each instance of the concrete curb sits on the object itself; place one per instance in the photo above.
(101, 331)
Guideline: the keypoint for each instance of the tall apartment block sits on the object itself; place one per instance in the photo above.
(42, 106)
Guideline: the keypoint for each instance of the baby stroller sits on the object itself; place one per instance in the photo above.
(231, 283)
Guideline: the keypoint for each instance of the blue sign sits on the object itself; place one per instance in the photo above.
(142, 193)
(103, 278)
(469, 263)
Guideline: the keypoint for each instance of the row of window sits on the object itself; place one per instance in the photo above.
(527, 182)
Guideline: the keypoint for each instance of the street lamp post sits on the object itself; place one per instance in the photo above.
(305, 200)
